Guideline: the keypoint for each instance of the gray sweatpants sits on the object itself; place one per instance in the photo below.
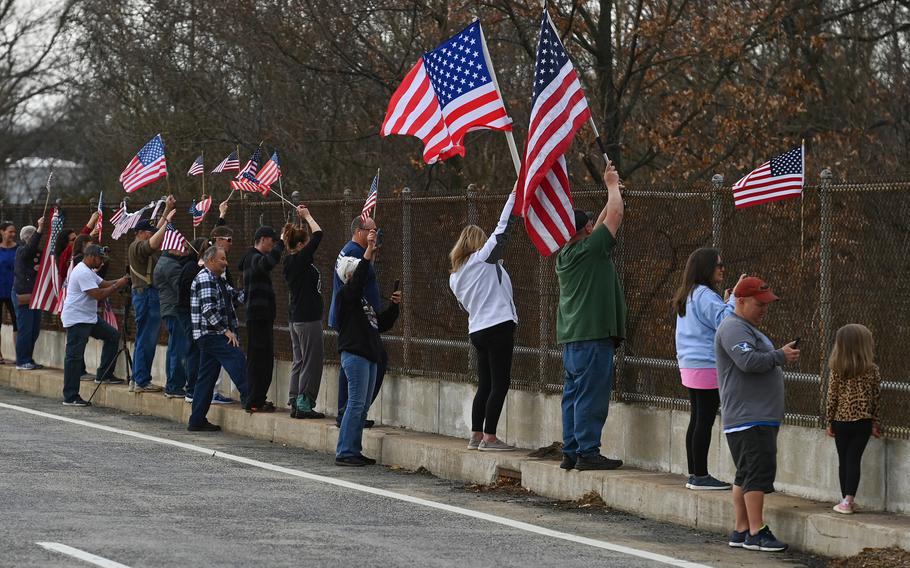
(306, 368)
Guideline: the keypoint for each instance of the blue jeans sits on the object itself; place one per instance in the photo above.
(148, 323)
(215, 352)
(29, 322)
(361, 374)
(73, 365)
(191, 363)
(586, 392)
(343, 386)
(177, 346)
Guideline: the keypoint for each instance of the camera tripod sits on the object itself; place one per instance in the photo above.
(124, 349)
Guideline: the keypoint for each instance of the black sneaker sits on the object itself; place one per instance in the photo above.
(367, 461)
(77, 402)
(737, 539)
(706, 483)
(369, 423)
(596, 461)
(205, 426)
(307, 414)
(175, 394)
(764, 541)
(568, 462)
(351, 461)
(112, 380)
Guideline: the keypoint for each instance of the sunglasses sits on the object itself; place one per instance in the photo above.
(228, 239)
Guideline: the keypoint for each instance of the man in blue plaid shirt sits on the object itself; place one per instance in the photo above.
(215, 332)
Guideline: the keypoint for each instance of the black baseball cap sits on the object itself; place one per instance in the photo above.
(95, 250)
(581, 219)
(145, 225)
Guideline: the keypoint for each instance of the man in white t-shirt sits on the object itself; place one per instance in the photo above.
(80, 318)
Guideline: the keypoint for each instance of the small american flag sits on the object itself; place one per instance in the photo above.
(126, 221)
(198, 210)
(107, 314)
(156, 209)
(146, 166)
(448, 93)
(781, 177)
(249, 183)
(197, 168)
(115, 218)
(229, 164)
(271, 171)
(252, 166)
(99, 226)
(558, 109)
(47, 284)
(173, 240)
(370, 204)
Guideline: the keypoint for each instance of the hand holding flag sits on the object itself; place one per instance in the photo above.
(146, 166)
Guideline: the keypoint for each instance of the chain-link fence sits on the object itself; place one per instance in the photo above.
(836, 256)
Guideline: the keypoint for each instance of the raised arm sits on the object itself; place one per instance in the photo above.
(156, 240)
(493, 250)
(612, 213)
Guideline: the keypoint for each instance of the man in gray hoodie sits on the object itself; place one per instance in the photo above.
(751, 384)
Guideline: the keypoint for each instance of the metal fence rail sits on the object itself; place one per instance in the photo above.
(836, 256)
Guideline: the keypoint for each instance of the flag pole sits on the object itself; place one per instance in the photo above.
(47, 186)
(801, 202)
(510, 139)
(376, 207)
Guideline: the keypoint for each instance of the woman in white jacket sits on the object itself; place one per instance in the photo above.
(484, 289)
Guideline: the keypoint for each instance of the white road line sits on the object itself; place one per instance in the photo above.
(81, 555)
(374, 491)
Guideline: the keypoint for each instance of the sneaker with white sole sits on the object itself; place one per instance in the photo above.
(706, 483)
(147, 388)
(737, 538)
(188, 397)
(77, 402)
(26, 367)
(219, 398)
(765, 541)
(495, 446)
(112, 380)
(473, 444)
(845, 507)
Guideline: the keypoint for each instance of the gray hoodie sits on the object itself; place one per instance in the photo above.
(749, 375)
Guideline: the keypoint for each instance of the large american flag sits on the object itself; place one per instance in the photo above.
(252, 166)
(372, 197)
(173, 240)
(47, 284)
(781, 177)
(558, 109)
(146, 166)
(271, 171)
(61, 297)
(124, 221)
(197, 168)
(198, 210)
(448, 93)
(229, 164)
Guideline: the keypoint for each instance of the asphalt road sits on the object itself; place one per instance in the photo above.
(143, 502)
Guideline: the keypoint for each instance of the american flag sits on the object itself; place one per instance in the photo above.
(198, 210)
(107, 314)
(448, 93)
(61, 298)
(558, 109)
(99, 226)
(146, 166)
(173, 240)
(197, 168)
(372, 197)
(126, 221)
(781, 177)
(229, 164)
(271, 171)
(115, 218)
(252, 166)
(250, 183)
(156, 209)
(47, 284)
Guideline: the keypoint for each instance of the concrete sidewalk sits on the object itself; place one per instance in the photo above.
(806, 525)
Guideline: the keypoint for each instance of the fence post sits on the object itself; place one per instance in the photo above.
(717, 205)
(824, 274)
(471, 198)
(346, 207)
(406, 285)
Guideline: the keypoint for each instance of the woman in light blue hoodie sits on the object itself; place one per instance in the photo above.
(699, 309)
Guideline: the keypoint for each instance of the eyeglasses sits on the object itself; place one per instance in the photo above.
(228, 239)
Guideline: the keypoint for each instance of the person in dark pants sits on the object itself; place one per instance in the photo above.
(355, 248)
(257, 268)
(699, 310)
(8, 247)
(80, 319)
(188, 273)
(28, 258)
(359, 345)
(484, 289)
(215, 331)
(852, 406)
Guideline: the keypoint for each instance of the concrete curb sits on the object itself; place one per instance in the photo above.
(808, 526)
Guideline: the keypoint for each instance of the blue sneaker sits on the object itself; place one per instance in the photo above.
(221, 399)
(706, 483)
(764, 541)
(737, 539)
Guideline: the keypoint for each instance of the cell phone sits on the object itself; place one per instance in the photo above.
(796, 342)
(378, 238)
(397, 285)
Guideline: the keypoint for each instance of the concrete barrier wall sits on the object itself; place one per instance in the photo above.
(642, 436)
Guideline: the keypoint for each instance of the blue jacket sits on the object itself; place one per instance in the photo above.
(695, 332)
(371, 290)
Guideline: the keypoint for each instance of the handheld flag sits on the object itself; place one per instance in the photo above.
(197, 168)
(229, 164)
(448, 93)
(99, 226)
(252, 166)
(781, 177)
(271, 171)
(558, 109)
(47, 284)
(173, 240)
(108, 314)
(198, 210)
(372, 198)
(146, 166)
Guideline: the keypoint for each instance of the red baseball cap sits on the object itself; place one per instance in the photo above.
(756, 288)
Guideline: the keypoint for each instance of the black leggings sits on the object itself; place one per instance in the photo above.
(704, 404)
(851, 439)
(494, 369)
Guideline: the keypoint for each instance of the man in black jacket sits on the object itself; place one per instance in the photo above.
(25, 272)
(257, 268)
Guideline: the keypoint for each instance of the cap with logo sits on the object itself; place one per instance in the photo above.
(754, 287)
